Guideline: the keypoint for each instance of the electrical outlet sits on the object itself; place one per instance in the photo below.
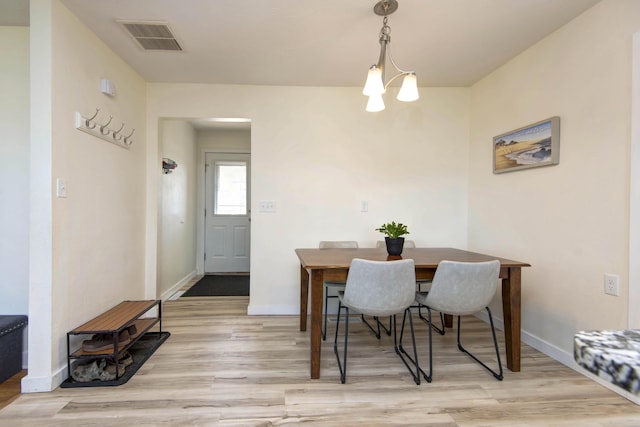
(612, 284)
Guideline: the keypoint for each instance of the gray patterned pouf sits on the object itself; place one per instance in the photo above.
(613, 356)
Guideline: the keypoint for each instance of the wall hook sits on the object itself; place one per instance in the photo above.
(115, 135)
(88, 121)
(104, 126)
(127, 139)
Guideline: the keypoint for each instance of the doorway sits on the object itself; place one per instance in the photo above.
(227, 213)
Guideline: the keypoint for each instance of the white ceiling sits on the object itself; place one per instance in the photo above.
(319, 42)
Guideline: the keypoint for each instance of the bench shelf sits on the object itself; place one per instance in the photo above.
(144, 315)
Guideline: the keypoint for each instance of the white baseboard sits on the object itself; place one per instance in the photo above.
(561, 356)
(175, 288)
(622, 392)
(32, 384)
(539, 344)
(176, 296)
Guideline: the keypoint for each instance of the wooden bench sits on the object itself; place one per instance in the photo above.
(144, 315)
(612, 357)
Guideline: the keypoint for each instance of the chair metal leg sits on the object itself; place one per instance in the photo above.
(375, 331)
(380, 325)
(430, 376)
(326, 305)
(497, 375)
(342, 367)
(400, 349)
(441, 329)
(342, 364)
(426, 376)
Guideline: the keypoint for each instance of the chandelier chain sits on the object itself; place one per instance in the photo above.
(385, 31)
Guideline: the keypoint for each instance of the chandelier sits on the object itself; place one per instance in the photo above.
(375, 86)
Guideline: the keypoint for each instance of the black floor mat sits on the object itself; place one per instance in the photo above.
(141, 351)
(213, 285)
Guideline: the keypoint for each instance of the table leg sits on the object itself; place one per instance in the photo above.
(511, 288)
(316, 321)
(448, 321)
(304, 297)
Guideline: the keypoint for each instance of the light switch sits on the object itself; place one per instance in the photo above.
(364, 206)
(267, 206)
(61, 187)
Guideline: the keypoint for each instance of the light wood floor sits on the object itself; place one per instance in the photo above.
(221, 367)
(10, 389)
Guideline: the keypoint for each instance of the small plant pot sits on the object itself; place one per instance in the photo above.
(394, 246)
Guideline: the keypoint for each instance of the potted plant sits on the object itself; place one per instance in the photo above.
(393, 236)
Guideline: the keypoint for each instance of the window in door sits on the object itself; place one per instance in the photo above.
(231, 188)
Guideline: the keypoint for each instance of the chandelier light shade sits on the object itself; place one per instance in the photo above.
(375, 85)
(409, 89)
(375, 103)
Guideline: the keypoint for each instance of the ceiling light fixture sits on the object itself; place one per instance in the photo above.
(375, 85)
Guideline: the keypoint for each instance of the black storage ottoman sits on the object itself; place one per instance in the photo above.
(11, 329)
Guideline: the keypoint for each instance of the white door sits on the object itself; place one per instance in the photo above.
(227, 213)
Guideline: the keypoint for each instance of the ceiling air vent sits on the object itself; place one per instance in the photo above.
(151, 35)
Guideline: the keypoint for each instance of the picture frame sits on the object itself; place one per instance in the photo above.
(531, 146)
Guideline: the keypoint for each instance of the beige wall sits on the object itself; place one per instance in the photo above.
(178, 196)
(14, 172)
(225, 141)
(95, 258)
(569, 221)
(318, 154)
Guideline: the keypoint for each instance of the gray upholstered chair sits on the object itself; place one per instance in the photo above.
(410, 244)
(458, 289)
(379, 288)
(334, 286)
(423, 286)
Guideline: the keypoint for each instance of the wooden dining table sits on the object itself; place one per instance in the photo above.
(330, 264)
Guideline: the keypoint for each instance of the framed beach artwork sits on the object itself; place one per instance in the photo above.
(530, 146)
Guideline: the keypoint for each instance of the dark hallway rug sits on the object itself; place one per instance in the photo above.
(214, 285)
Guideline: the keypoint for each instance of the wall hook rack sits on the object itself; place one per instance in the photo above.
(91, 126)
